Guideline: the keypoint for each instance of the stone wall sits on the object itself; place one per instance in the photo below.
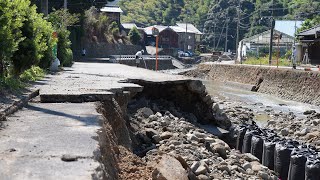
(290, 84)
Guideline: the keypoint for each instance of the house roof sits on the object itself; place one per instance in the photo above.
(287, 27)
(190, 27)
(113, 9)
(128, 25)
(176, 29)
(309, 32)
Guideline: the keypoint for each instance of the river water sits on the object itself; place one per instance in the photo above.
(260, 103)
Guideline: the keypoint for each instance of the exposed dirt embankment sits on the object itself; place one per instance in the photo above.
(285, 83)
(159, 134)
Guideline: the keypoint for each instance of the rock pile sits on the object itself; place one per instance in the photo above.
(301, 129)
(162, 132)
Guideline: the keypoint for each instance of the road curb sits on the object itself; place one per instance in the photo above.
(14, 107)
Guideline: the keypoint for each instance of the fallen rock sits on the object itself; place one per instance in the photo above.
(284, 132)
(316, 122)
(153, 117)
(312, 135)
(202, 169)
(192, 137)
(249, 157)
(156, 138)
(151, 132)
(203, 177)
(303, 132)
(220, 149)
(146, 112)
(195, 166)
(169, 168)
(247, 166)
(308, 112)
(256, 166)
(166, 135)
(264, 175)
(271, 122)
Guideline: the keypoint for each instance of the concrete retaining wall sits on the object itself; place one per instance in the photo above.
(101, 50)
(285, 83)
(150, 64)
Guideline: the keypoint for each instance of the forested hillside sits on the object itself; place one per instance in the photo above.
(165, 11)
(213, 16)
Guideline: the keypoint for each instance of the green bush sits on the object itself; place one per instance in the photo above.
(265, 61)
(33, 74)
(36, 44)
(61, 19)
(64, 50)
(134, 36)
(11, 83)
(11, 20)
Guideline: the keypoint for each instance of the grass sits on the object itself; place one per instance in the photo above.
(13, 83)
(265, 61)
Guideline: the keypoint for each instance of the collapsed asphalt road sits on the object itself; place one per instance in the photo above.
(146, 122)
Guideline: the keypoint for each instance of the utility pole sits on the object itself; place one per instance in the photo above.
(226, 43)
(214, 36)
(44, 7)
(238, 27)
(271, 37)
(185, 37)
(65, 4)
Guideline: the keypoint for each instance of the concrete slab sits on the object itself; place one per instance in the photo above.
(93, 79)
(38, 136)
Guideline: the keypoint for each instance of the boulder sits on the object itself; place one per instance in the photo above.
(220, 149)
(316, 122)
(303, 132)
(151, 132)
(203, 177)
(202, 169)
(312, 135)
(308, 112)
(192, 137)
(169, 168)
(145, 112)
(246, 166)
(249, 157)
(166, 135)
(284, 132)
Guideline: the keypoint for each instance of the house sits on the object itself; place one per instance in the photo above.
(283, 39)
(311, 38)
(168, 38)
(191, 27)
(113, 13)
(176, 37)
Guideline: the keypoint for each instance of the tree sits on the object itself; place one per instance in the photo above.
(61, 20)
(11, 20)
(309, 23)
(134, 36)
